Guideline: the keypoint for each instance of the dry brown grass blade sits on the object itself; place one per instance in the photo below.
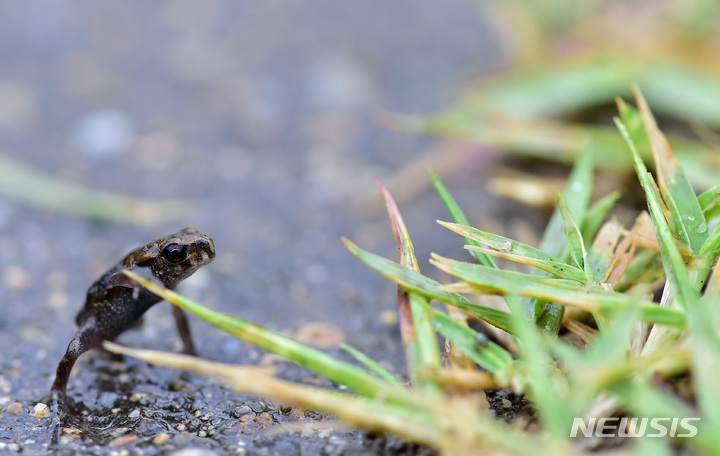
(620, 261)
(407, 254)
(463, 379)
(607, 239)
(668, 164)
(641, 234)
(526, 188)
(581, 330)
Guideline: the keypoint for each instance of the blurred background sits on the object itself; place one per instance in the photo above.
(263, 124)
(252, 123)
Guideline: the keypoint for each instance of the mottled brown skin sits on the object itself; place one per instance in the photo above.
(115, 303)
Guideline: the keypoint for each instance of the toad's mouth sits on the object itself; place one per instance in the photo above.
(204, 257)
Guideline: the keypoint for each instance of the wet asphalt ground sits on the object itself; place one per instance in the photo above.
(262, 115)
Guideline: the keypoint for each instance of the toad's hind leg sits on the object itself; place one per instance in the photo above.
(85, 339)
(184, 331)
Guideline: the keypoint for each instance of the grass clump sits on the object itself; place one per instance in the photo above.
(581, 335)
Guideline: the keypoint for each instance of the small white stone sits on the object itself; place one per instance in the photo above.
(41, 410)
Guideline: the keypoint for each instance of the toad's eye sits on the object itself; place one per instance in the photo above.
(175, 253)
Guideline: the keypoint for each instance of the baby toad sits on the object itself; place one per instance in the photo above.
(115, 303)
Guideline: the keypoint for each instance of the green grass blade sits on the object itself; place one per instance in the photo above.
(573, 237)
(564, 142)
(592, 368)
(705, 351)
(544, 384)
(596, 214)
(603, 302)
(706, 363)
(549, 90)
(411, 280)
(25, 185)
(517, 119)
(561, 88)
(428, 351)
(653, 447)
(679, 196)
(608, 349)
(418, 336)
(486, 354)
(709, 201)
(711, 248)
(577, 196)
(459, 217)
(339, 372)
(370, 364)
(503, 247)
(645, 400)
(674, 264)
(457, 214)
